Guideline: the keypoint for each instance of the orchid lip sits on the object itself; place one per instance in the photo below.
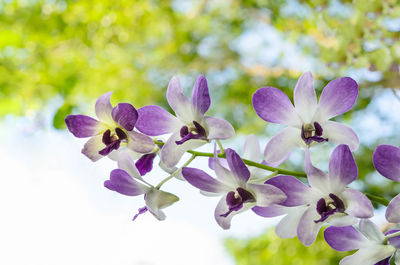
(112, 141)
(236, 199)
(327, 209)
(312, 132)
(192, 132)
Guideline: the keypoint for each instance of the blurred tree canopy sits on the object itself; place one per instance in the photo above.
(268, 248)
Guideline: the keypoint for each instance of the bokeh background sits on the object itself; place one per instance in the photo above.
(57, 57)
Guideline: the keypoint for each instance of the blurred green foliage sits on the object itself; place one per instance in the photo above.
(270, 249)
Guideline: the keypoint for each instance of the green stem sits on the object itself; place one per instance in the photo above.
(220, 146)
(176, 172)
(392, 235)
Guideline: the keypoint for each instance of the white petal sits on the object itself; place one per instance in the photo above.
(305, 99)
(287, 227)
(338, 133)
(103, 108)
(126, 163)
(251, 149)
(179, 102)
(369, 256)
(371, 231)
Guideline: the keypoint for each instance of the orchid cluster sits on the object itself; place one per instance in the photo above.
(307, 201)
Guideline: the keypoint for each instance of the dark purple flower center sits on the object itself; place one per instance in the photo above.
(312, 132)
(112, 141)
(235, 200)
(327, 209)
(196, 131)
(140, 211)
(384, 261)
(145, 163)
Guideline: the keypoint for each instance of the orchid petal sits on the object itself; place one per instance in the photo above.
(103, 108)
(342, 167)
(82, 126)
(338, 97)
(140, 143)
(307, 230)
(282, 144)
(272, 105)
(369, 256)
(394, 241)
(92, 147)
(218, 128)
(156, 200)
(305, 99)
(386, 160)
(270, 211)
(203, 181)
(154, 121)
(267, 195)
(121, 182)
(357, 204)
(295, 190)
(287, 227)
(317, 178)
(371, 231)
(237, 166)
(125, 115)
(171, 153)
(200, 96)
(338, 133)
(179, 102)
(393, 210)
(251, 149)
(126, 163)
(341, 219)
(344, 238)
(222, 208)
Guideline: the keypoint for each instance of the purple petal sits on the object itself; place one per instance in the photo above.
(218, 128)
(267, 195)
(394, 241)
(282, 144)
(342, 167)
(386, 160)
(357, 204)
(140, 143)
(338, 96)
(200, 96)
(305, 99)
(220, 210)
(82, 126)
(140, 211)
(171, 153)
(344, 238)
(393, 210)
(270, 211)
(125, 115)
(203, 181)
(237, 166)
(179, 102)
(274, 106)
(317, 178)
(92, 148)
(338, 133)
(123, 183)
(307, 229)
(295, 190)
(145, 163)
(103, 108)
(154, 120)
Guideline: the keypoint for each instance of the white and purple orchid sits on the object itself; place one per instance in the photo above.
(190, 128)
(386, 160)
(238, 194)
(115, 128)
(308, 122)
(374, 247)
(123, 180)
(325, 200)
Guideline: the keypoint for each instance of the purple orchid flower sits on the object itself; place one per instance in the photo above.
(113, 130)
(190, 128)
(308, 122)
(386, 159)
(238, 194)
(325, 200)
(124, 180)
(374, 247)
